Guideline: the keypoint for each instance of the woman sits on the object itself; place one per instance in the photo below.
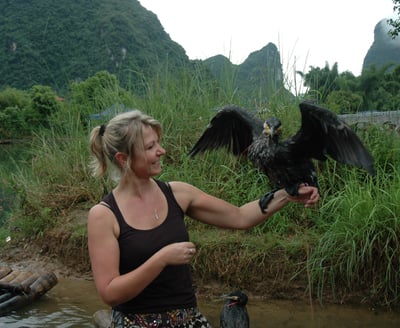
(138, 243)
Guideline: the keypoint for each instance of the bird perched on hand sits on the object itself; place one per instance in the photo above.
(234, 313)
(287, 163)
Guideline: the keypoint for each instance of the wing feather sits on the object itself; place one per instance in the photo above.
(323, 133)
(233, 128)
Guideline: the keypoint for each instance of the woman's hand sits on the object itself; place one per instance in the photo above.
(308, 195)
(178, 253)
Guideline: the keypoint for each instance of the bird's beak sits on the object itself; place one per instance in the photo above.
(267, 130)
(230, 297)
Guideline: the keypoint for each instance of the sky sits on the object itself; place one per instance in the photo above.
(306, 32)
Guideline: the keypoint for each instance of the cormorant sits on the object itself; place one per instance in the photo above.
(234, 313)
(286, 163)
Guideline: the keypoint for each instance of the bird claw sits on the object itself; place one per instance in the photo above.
(293, 190)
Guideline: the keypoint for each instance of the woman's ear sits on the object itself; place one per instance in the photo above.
(121, 159)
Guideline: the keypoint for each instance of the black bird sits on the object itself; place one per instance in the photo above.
(234, 313)
(286, 163)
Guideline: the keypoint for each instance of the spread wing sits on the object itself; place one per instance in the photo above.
(232, 127)
(323, 133)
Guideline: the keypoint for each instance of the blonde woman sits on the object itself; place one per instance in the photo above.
(139, 247)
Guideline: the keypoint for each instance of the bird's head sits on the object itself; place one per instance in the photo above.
(236, 298)
(272, 127)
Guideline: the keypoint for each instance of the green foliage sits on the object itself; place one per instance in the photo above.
(344, 102)
(376, 89)
(395, 22)
(96, 94)
(359, 249)
(24, 113)
(43, 101)
(34, 226)
(321, 82)
(43, 104)
(13, 104)
(11, 97)
(12, 123)
(355, 222)
(119, 55)
(53, 43)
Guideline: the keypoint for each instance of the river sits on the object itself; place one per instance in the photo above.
(72, 303)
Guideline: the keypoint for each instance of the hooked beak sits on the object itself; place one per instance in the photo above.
(230, 297)
(267, 130)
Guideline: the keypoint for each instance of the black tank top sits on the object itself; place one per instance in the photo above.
(173, 288)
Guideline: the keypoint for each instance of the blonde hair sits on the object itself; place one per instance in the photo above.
(121, 134)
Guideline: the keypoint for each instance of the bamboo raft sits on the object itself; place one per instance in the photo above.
(19, 288)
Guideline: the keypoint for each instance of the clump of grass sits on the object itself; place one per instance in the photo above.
(54, 180)
(359, 249)
(236, 260)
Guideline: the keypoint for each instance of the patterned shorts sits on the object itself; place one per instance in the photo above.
(181, 318)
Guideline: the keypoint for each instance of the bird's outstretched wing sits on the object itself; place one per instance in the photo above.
(323, 133)
(233, 128)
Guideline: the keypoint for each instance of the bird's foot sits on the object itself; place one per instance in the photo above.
(293, 190)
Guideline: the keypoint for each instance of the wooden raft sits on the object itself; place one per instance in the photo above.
(19, 288)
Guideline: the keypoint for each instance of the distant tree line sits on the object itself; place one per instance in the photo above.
(375, 89)
(24, 112)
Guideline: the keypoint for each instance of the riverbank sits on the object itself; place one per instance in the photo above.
(272, 280)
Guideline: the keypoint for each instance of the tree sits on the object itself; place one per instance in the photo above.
(321, 82)
(96, 94)
(395, 23)
(13, 104)
(379, 88)
(11, 97)
(344, 102)
(12, 123)
(43, 104)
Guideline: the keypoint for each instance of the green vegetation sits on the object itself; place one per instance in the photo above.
(395, 22)
(53, 43)
(376, 89)
(347, 245)
(114, 54)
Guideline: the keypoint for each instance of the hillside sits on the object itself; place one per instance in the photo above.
(55, 42)
(384, 50)
(259, 76)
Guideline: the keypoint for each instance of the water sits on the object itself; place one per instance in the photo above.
(71, 303)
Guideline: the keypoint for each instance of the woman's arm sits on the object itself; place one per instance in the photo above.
(211, 210)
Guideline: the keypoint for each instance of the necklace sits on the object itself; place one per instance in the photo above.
(155, 210)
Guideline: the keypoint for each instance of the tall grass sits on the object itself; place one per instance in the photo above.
(359, 224)
(352, 234)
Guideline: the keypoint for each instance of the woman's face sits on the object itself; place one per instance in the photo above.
(146, 161)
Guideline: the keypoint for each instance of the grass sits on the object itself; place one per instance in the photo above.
(359, 246)
(352, 235)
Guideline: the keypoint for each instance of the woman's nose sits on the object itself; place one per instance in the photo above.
(160, 151)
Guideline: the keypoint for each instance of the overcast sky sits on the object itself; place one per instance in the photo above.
(306, 32)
